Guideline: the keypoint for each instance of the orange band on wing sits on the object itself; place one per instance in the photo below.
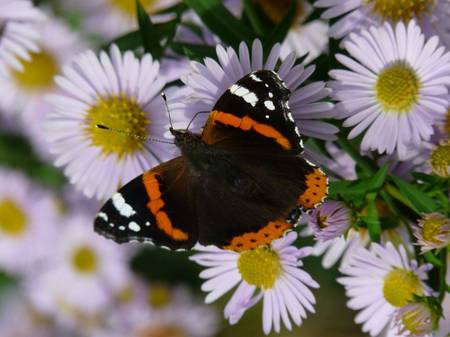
(273, 230)
(155, 206)
(246, 123)
(316, 189)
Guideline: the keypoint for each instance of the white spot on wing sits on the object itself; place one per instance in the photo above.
(241, 91)
(111, 225)
(134, 226)
(267, 116)
(147, 224)
(269, 105)
(121, 206)
(103, 216)
(233, 88)
(122, 228)
(251, 98)
(256, 78)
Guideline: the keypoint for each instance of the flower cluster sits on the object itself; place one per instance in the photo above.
(92, 92)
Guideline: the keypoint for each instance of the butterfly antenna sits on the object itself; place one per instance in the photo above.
(164, 97)
(194, 117)
(129, 134)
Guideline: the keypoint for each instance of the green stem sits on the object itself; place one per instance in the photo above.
(348, 147)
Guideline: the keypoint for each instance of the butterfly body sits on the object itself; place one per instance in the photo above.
(238, 185)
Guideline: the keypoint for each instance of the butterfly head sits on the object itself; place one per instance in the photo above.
(184, 138)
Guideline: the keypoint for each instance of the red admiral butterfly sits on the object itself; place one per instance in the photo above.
(238, 185)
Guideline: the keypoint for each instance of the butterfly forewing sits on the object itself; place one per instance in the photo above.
(154, 207)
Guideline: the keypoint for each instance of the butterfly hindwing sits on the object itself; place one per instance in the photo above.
(154, 207)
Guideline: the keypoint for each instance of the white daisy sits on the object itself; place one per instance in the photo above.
(81, 278)
(395, 87)
(356, 14)
(416, 319)
(18, 33)
(210, 80)
(158, 310)
(28, 218)
(270, 271)
(379, 280)
(119, 92)
(432, 232)
(23, 93)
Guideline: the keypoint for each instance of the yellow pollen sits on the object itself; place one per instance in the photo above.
(13, 221)
(440, 159)
(159, 296)
(259, 267)
(277, 10)
(38, 72)
(129, 6)
(84, 260)
(122, 114)
(400, 286)
(397, 88)
(400, 10)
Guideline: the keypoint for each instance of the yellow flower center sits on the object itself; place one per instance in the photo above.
(161, 331)
(125, 116)
(400, 10)
(13, 220)
(440, 159)
(259, 267)
(277, 10)
(129, 6)
(417, 320)
(400, 285)
(38, 72)
(159, 296)
(84, 260)
(430, 228)
(397, 88)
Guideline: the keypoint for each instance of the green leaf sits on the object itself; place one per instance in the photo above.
(421, 201)
(149, 35)
(280, 31)
(259, 22)
(220, 21)
(129, 41)
(379, 178)
(372, 219)
(193, 51)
